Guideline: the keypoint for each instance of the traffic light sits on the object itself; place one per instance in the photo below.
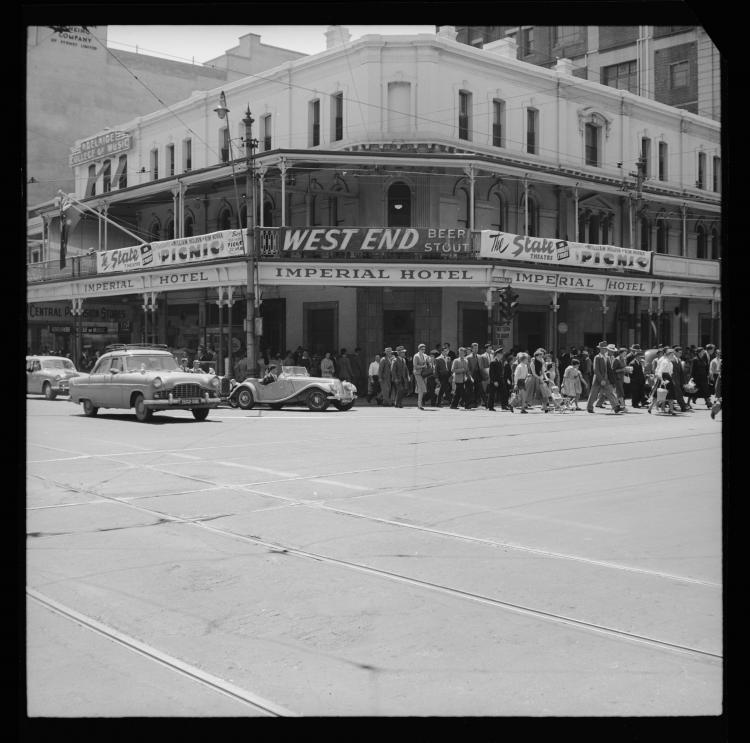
(510, 303)
(499, 310)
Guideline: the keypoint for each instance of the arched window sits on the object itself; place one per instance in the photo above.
(606, 229)
(645, 231)
(700, 235)
(662, 236)
(582, 223)
(268, 213)
(594, 229)
(399, 205)
(224, 222)
(714, 244)
(154, 232)
(189, 225)
(500, 213)
(529, 217)
(169, 231)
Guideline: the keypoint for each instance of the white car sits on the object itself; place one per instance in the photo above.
(49, 375)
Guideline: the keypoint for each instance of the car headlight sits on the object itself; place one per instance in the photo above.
(157, 383)
(215, 382)
(58, 377)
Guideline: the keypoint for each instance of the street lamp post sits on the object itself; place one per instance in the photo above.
(252, 268)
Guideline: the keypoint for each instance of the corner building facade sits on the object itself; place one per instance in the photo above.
(384, 169)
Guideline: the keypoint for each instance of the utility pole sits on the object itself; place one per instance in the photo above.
(252, 267)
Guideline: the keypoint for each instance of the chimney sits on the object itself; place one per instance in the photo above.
(506, 47)
(337, 36)
(564, 66)
(447, 32)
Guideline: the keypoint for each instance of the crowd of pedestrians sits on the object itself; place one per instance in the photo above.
(663, 379)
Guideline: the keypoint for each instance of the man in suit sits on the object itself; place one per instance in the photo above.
(678, 377)
(474, 383)
(385, 377)
(603, 380)
(400, 378)
(461, 379)
(637, 376)
(495, 379)
(443, 373)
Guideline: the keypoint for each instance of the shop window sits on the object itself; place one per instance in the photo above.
(337, 117)
(663, 161)
(399, 205)
(593, 139)
(646, 156)
(91, 183)
(107, 176)
(170, 159)
(121, 176)
(314, 123)
(498, 123)
(623, 76)
(662, 236)
(717, 175)
(700, 241)
(224, 221)
(532, 124)
(714, 244)
(645, 234)
(464, 114)
(224, 144)
(187, 155)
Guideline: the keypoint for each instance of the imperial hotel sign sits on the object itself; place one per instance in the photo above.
(101, 146)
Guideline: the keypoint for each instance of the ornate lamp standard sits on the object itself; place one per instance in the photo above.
(252, 264)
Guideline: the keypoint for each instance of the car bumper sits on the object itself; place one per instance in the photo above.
(182, 404)
(61, 388)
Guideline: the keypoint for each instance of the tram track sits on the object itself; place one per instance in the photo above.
(176, 665)
(279, 548)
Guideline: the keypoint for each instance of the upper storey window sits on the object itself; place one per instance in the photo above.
(464, 114)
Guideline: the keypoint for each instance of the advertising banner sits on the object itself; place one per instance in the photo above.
(196, 249)
(290, 241)
(101, 146)
(553, 252)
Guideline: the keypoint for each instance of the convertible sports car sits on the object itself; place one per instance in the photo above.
(295, 386)
(147, 378)
(49, 375)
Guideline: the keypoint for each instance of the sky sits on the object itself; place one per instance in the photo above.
(200, 43)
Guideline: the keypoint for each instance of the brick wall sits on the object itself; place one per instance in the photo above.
(685, 97)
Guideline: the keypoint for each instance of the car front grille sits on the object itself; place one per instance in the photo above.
(187, 390)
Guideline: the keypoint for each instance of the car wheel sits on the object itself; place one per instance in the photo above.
(342, 406)
(233, 402)
(142, 413)
(48, 393)
(89, 409)
(317, 401)
(200, 414)
(245, 399)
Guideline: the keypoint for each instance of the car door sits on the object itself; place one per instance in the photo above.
(277, 391)
(30, 380)
(113, 383)
(97, 384)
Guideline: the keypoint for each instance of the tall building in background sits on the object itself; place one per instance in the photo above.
(75, 83)
(675, 65)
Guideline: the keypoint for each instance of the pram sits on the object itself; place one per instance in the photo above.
(561, 403)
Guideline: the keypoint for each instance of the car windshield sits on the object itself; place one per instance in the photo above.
(294, 371)
(58, 364)
(151, 363)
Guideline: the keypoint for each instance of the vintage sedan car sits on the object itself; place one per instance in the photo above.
(49, 375)
(147, 378)
(295, 386)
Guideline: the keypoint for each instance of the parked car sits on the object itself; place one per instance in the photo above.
(49, 375)
(295, 386)
(147, 378)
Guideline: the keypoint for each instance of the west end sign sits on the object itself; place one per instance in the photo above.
(101, 146)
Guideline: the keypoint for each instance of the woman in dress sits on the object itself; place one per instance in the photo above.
(573, 382)
(327, 367)
(537, 386)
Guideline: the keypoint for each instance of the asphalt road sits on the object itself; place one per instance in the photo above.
(377, 562)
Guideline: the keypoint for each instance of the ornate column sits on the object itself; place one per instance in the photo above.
(554, 307)
(77, 310)
(470, 173)
(282, 169)
(149, 305)
(261, 171)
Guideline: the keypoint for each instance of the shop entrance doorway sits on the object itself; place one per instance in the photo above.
(532, 330)
(398, 329)
(273, 312)
(321, 322)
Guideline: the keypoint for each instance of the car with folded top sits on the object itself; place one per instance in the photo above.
(295, 386)
(146, 378)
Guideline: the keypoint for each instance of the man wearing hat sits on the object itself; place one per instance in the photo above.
(400, 379)
(611, 376)
(385, 377)
(637, 376)
(678, 376)
(620, 369)
(699, 373)
(601, 383)
(443, 371)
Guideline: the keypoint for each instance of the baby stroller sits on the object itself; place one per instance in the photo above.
(562, 403)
